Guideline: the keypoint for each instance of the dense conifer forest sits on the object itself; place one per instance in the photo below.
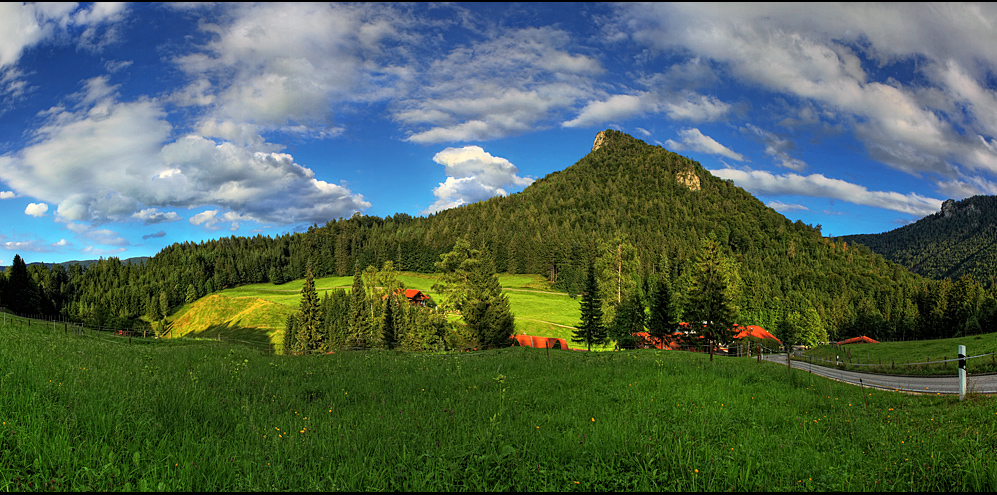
(959, 240)
(638, 212)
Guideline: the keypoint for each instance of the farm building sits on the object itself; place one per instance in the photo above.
(754, 331)
(674, 341)
(414, 296)
(540, 342)
(862, 339)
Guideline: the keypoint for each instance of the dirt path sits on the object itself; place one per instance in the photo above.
(547, 322)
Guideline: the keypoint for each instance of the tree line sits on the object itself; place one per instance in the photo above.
(376, 313)
(628, 208)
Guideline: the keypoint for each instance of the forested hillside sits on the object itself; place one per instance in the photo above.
(640, 211)
(960, 239)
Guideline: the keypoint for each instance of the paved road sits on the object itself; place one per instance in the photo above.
(984, 384)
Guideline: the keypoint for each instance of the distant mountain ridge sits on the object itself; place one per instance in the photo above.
(959, 239)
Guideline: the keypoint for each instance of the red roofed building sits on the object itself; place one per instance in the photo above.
(540, 342)
(754, 331)
(858, 340)
(414, 296)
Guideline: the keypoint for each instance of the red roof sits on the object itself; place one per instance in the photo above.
(858, 340)
(755, 331)
(413, 295)
(539, 342)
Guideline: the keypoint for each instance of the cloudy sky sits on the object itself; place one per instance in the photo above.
(127, 127)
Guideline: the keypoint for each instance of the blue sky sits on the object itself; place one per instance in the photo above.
(127, 127)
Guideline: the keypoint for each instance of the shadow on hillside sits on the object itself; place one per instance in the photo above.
(237, 334)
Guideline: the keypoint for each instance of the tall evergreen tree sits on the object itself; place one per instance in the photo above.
(628, 320)
(389, 328)
(336, 318)
(661, 321)
(359, 312)
(309, 316)
(714, 294)
(291, 335)
(590, 331)
(20, 293)
(470, 286)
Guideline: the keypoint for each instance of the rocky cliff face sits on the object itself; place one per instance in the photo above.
(600, 139)
(688, 179)
(950, 208)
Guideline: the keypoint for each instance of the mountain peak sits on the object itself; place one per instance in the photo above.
(600, 139)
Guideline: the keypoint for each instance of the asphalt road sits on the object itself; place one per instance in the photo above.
(981, 384)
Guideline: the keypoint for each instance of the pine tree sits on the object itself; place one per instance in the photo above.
(590, 331)
(714, 294)
(388, 328)
(191, 294)
(291, 344)
(309, 316)
(359, 312)
(629, 320)
(470, 286)
(20, 293)
(661, 321)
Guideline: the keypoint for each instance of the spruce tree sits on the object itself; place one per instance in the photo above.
(389, 333)
(714, 294)
(590, 331)
(470, 286)
(661, 320)
(359, 312)
(20, 293)
(629, 320)
(291, 335)
(309, 316)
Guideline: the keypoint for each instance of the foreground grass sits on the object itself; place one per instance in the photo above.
(895, 356)
(95, 413)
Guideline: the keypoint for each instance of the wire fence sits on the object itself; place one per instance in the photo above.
(893, 363)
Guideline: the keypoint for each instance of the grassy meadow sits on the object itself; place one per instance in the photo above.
(895, 356)
(256, 313)
(95, 412)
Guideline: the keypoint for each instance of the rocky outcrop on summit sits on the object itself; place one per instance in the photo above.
(600, 139)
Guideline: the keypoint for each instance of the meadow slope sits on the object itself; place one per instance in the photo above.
(91, 412)
(256, 312)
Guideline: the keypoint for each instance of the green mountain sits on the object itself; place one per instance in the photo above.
(960, 239)
(641, 211)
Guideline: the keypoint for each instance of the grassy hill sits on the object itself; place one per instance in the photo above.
(256, 313)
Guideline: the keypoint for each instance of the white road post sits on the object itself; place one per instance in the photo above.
(962, 372)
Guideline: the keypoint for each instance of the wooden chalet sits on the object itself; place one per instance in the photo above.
(416, 297)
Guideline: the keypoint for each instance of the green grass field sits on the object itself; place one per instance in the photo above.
(894, 356)
(94, 413)
(241, 313)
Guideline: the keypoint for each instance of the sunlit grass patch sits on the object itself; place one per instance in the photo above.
(86, 413)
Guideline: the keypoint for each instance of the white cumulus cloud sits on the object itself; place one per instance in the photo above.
(473, 175)
(106, 160)
(36, 209)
